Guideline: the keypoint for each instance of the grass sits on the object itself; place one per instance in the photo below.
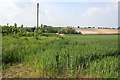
(18, 49)
(74, 56)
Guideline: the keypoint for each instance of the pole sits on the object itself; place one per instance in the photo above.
(37, 16)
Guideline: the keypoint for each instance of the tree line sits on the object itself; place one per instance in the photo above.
(22, 31)
(6, 30)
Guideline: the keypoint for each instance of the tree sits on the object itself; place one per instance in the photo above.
(33, 29)
(15, 25)
(10, 29)
(42, 29)
(41, 25)
(21, 28)
(64, 31)
(50, 29)
(44, 26)
(15, 28)
(69, 30)
(89, 27)
(7, 24)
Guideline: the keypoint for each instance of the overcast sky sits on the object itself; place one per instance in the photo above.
(60, 12)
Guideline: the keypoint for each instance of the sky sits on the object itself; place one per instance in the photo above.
(60, 13)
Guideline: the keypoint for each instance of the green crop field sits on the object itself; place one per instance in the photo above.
(73, 56)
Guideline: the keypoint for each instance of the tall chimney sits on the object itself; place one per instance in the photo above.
(37, 16)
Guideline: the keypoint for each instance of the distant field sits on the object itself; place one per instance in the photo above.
(75, 56)
(96, 31)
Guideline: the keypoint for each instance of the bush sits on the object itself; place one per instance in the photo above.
(69, 30)
(50, 29)
(30, 34)
(37, 38)
(49, 34)
(15, 36)
(26, 38)
(52, 35)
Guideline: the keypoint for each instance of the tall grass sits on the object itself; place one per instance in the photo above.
(19, 49)
(73, 53)
(73, 56)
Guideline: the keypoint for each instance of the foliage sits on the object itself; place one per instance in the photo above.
(18, 49)
(69, 30)
(50, 29)
(30, 29)
(46, 29)
(22, 31)
(8, 30)
(51, 35)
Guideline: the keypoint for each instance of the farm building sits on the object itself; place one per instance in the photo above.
(60, 32)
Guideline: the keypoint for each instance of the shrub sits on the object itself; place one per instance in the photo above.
(15, 36)
(50, 29)
(26, 38)
(49, 34)
(30, 34)
(69, 30)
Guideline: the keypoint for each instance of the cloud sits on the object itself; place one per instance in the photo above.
(11, 12)
(47, 12)
(7, 11)
(91, 11)
(100, 10)
(26, 16)
(100, 16)
(77, 0)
